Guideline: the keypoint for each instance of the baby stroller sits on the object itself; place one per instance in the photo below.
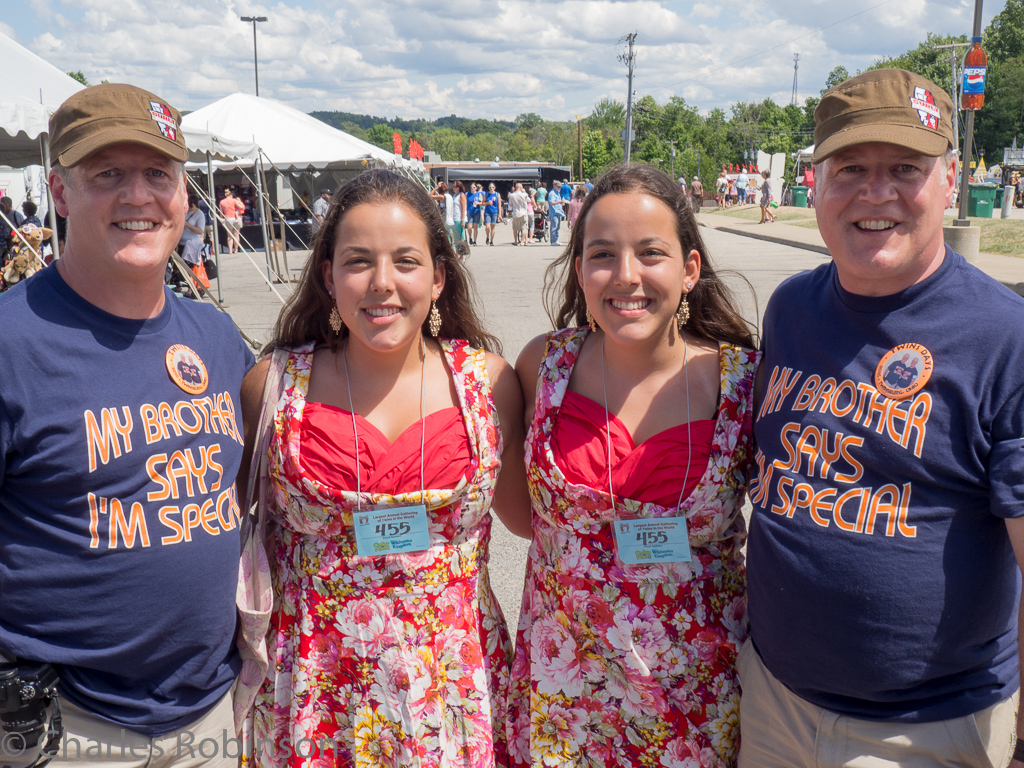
(540, 226)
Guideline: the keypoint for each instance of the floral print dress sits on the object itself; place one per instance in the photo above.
(631, 665)
(399, 660)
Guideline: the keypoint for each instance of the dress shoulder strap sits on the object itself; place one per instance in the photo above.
(560, 354)
(739, 367)
(473, 385)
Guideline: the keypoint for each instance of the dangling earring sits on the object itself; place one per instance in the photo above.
(683, 313)
(435, 320)
(591, 322)
(334, 319)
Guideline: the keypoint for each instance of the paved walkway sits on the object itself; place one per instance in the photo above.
(1008, 270)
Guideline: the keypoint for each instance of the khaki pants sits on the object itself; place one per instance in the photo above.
(778, 729)
(91, 742)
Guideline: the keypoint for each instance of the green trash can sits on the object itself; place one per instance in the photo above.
(980, 200)
(799, 196)
(998, 205)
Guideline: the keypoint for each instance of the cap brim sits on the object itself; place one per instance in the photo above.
(920, 140)
(76, 153)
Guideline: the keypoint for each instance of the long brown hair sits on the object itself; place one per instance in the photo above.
(712, 314)
(304, 317)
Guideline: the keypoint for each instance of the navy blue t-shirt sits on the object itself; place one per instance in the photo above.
(119, 539)
(881, 579)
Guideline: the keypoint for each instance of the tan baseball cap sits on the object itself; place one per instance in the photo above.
(111, 113)
(888, 106)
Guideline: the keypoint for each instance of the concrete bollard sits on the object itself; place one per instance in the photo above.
(964, 240)
(1008, 193)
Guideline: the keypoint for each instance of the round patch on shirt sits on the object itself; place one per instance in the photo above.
(903, 371)
(187, 370)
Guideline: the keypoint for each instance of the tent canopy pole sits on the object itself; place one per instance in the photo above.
(51, 211)
(216, 236)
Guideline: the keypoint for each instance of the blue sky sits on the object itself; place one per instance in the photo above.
(476, 58)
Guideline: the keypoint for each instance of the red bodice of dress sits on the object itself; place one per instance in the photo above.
(650, 472)
(328, 451)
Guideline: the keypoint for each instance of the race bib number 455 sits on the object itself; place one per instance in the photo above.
(652, 540)
(392, 531)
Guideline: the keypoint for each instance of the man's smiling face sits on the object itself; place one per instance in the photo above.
(879, 209)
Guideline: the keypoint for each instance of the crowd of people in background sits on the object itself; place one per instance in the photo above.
(741, 190)
(535, 213)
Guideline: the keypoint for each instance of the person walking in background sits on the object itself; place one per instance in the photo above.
(475, 201)
(766, 199)
(231, 209)
(696, 194)
(6, 227)
(320, 210)
(389, 420)
(566, 191)
(575, 205)
(530, 216)
(541, 196)
(517, 203)
(444, 199)
(459, 211)
(639, 451)
(721, 190)
(30, 209)
(191, 242)
(741, 186)
(555, 211)
(492, 212)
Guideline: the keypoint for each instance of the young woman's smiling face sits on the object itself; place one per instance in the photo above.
(633, 268)
(382, 275)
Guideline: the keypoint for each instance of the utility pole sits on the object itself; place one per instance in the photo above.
(672, 160)
(954, 91)
(796, 66)
(629, 58)
(965, 159)
(579, 146)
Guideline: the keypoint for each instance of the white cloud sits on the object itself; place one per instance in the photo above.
(477, 58)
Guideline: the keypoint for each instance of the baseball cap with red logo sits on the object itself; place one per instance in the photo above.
(887, 106)
(112, 113)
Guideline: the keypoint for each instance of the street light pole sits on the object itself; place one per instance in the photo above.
(255, 59)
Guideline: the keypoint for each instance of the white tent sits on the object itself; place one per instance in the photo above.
(290, 139)
(804, 155)
(32, 79)
(34, 89)
(37, 88)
